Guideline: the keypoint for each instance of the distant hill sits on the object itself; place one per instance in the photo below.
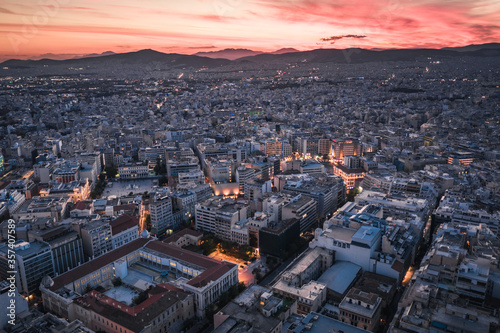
(284, 50)
(473, 47)
(91, 55)
(149, 63)
(356, 55)
(52, 56)
(233, 54)
(230, 54)
(114, 62)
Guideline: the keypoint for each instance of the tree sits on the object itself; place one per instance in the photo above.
(98, 188)
(111, 171)
(163, 181)
(353, 193)
(160, 167)
(117, 281)
(100, 289)
(143, 295)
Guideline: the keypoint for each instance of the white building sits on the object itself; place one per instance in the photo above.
(204, 277)
(218, 215)
(160, 209)
(361, 247)
(131, 171)
(196, 177)
(124, 229)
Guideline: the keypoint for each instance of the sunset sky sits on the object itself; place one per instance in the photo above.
(30, 28)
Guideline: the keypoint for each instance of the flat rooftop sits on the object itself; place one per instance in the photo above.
(33, 248)
(366, 235)
(122, 294)
(340, 233)
(316, 323)
(298, 203)
(310, 256)
(309, 291)
(340, 276)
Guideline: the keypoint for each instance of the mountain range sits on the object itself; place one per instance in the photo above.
(149, 60)
(233, 54)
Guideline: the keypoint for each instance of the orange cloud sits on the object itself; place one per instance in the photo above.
(191, 25)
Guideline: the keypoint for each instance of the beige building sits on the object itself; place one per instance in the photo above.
(361, 309)
(164, 310)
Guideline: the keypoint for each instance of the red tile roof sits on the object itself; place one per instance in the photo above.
(214, 269)
(133, 318)
(123, 222)
(4, 184)
(80, 205)
(185, 255)
(211, 274)
(97, 263)
(175, 237)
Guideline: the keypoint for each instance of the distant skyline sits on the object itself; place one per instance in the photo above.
(69, 28)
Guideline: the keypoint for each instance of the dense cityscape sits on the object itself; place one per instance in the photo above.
(290, 192)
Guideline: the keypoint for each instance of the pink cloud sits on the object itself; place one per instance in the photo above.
(433, 22)
(259, 24)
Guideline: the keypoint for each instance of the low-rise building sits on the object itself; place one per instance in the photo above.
(164, 310)
(204, 277)
(361, 309)
(124, 229)
(133, 171)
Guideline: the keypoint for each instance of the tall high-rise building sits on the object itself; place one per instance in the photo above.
(96, 237)
(350, 147)
(281, 148)
(33, 261)
(324, 147)
(302, 208)
(66, 245)
(160, 209)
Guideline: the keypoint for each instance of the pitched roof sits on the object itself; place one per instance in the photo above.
(93, 265)
(81, 205)
(214, 269)
(123, 222)
(175, 237)
(161, 297)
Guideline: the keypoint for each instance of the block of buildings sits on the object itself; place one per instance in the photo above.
(142, 264)
(361, 309)
(124, 229)
(33, 261)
